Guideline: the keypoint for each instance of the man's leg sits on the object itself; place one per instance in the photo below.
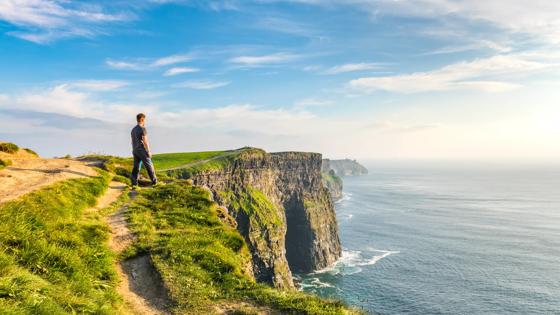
(136, 170)
(150, 168)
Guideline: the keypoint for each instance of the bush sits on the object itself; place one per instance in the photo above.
(8, 147)
(5, 163)
(31, 152)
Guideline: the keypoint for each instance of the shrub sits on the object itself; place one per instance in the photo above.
(5, 163)
(8, 147)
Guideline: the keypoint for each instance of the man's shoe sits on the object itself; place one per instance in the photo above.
(135, 187)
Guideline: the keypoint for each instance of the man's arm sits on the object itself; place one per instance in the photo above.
(145, 142)
(147, 145)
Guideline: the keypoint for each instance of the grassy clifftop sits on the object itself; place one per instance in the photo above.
(203, 261)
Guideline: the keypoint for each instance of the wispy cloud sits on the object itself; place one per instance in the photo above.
(125, 65)
(260, 60)
(141, 64)
(171, 60)
(353, 67)
(99, 85)
(202, 85)
(488, 74)
(538, 18)
(42, 21)
(287, 26)
(179, 70)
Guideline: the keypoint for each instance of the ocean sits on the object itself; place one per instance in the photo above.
(448, 238)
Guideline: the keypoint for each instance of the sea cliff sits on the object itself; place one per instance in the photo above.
(281, 206)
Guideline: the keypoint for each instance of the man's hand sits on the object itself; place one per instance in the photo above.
(149, 154)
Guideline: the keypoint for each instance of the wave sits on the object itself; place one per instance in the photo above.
(352, 261)
(345, 197)
(315, 283)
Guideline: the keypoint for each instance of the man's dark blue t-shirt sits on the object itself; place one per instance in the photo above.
(137, 135)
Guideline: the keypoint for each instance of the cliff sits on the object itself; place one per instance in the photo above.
(281, 207)
(333, 183)
(344, 167)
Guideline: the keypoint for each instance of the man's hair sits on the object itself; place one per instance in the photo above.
(140, 116)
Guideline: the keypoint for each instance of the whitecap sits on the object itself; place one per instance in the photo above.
(352, 261)
(345, 197)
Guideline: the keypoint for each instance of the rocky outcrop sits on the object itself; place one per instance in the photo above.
(333, 183)
(282, 209)
(344, 167)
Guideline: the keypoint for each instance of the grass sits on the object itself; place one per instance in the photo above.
(171, 160)
(5, 163)
(162, 162)
(202, 260)
(255, 205)
(8, 147)
(53, 259)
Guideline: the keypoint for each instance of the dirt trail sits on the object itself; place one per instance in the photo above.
(28, 174)
(141, 286)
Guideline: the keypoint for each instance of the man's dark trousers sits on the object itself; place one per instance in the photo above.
(141, 156)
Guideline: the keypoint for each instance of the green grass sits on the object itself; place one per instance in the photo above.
(5, 163)
(203, 260)
(171, 160)
(8, 147)
(122, 166)
(53, 259)
(254, 204)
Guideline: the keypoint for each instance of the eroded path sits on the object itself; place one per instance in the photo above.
(141, 286)
(27, 174)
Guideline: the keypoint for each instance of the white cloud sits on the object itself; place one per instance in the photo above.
(142, 64)
(68, 100)
(474, 45)
(202, 85)
(179, 70)
(99, 85)
(170, 60)
(263, 59)
(489, 74)
(42, 21)
(538, 18)
(125, 65)
(352, 67)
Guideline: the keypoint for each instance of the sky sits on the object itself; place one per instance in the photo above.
(383, 79)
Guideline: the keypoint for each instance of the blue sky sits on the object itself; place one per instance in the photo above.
(357, 78)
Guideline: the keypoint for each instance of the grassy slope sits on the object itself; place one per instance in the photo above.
(54, 260)
(201, 259)
(162, 162)
(170, 160)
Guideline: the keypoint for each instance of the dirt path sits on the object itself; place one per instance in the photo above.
(141, 286)
(29, 174)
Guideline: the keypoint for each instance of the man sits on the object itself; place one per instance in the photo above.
(141, 151)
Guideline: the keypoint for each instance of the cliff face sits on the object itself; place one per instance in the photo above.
(333, 183)
(282, 209)
(344, 167)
